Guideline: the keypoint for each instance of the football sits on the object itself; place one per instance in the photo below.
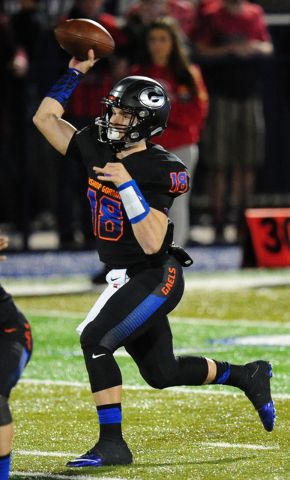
(78, 36)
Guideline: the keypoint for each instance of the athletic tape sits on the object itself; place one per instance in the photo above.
(134, 203)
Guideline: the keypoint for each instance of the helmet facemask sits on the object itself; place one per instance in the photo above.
(138, 130)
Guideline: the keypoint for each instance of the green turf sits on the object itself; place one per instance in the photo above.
(179, 435)
(172, 434)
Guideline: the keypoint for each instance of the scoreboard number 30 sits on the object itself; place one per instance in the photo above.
(270, 233)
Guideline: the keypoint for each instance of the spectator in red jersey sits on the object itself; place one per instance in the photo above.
(165, 60)
(84, 106)
(230, 38)
(141, 13)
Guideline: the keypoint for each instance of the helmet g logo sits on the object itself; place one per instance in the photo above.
(152, 97)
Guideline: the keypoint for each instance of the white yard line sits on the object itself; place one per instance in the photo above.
(56, 313)
(36, 453)
(173, 319)
(195, 391)
(55, 289)
(237, 283)
(61, 477)
(236, 445)
(233, 321)
(193, 281)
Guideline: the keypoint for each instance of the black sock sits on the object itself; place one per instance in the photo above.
(110, 418)
(230, 374)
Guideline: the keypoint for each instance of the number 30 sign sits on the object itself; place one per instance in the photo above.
(270, 233)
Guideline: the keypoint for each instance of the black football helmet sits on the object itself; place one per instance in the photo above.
(147, 102)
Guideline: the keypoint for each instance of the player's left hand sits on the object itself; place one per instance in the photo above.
(3, 244)
(113, 172)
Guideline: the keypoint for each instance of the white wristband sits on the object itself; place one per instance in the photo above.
(134, 203)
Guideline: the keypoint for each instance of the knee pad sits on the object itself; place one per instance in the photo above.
(190, 370)
(102, 368)
(155, 378)
(193, 370)
(5, 413)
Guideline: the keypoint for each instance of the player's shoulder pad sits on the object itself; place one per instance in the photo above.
(163, 155)
(89, 135)
(168, 171)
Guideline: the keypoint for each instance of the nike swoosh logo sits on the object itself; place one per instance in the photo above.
(96, 356)
(114, 279)
(10, 330)
(255, 372)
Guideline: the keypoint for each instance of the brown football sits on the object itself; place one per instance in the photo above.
(78, 36)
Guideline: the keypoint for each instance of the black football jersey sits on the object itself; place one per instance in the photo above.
(5, 300)
(8, 308)
(160, 176)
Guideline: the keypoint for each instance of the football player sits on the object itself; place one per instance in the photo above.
(131, 186)
(15, 352)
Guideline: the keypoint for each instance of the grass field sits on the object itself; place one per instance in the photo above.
(184, 433)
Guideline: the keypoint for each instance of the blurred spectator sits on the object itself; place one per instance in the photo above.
(73, 212)
(112, 7)
(230, 37)
(7, 52)
(22, 95)
(95, 10)
(26, 25)
(164, 59)
(142, 12)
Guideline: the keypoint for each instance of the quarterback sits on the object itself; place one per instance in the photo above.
(132, 184)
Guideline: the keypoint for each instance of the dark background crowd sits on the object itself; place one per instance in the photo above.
(40, 191)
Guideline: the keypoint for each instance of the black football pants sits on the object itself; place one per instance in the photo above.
(15, 343)
(136, 317)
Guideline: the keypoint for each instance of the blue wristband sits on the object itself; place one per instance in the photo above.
(134, 203)
(62, 90)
